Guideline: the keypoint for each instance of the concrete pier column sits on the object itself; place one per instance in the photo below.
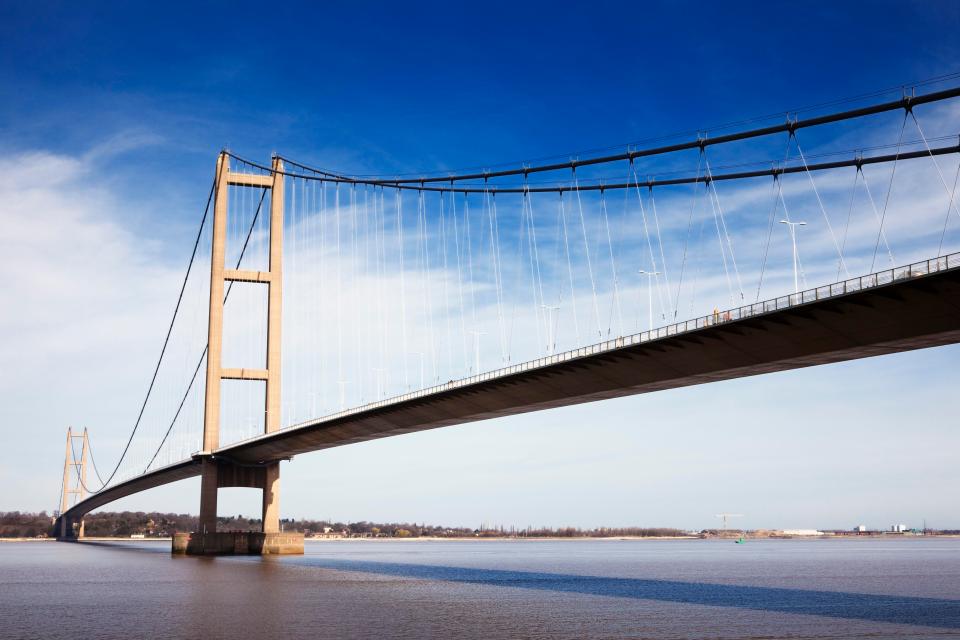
(209, 483)
(271, 498)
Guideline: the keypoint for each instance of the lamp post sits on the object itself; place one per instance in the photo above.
(343, 393)
(420, 353)
(380, 373)
(792, 227)
(550, 338)
(476, 348)
(650, 276)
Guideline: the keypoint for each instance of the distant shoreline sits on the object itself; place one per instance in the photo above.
(521, 538)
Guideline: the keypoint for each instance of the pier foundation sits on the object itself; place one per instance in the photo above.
(226, 543)
(209, 541)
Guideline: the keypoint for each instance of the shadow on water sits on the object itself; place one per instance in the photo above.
(931, 612)
(134, 546)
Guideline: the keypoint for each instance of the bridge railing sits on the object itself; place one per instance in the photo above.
(851, 285)
(809, 296)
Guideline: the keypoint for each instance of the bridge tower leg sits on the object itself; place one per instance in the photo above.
(217, 473)
(82, 484)
(65, 487)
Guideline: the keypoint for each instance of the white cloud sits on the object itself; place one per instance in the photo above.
(83, 305)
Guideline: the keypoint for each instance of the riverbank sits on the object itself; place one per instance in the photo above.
(532, 538)
(89, 539)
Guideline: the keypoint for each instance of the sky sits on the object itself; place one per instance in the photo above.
(110, 122)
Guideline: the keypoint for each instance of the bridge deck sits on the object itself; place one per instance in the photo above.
(910, 308)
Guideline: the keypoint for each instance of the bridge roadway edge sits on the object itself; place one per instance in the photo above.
(904, 315)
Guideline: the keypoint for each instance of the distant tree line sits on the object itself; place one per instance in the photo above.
(15, 524)
(123, 524)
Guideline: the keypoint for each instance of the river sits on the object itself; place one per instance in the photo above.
(843, 588)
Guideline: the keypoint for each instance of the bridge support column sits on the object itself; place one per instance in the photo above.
(209, 485)
(271, 498)
(208, 541)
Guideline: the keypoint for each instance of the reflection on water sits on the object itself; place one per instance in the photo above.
(488, 589)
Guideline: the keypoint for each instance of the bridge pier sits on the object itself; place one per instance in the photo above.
(209, 486)
(68, 530)
(207, 540)
(271, 499)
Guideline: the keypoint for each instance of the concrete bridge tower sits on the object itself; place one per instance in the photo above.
(74, 484)
(218, 472)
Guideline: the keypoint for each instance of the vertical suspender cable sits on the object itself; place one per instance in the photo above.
(526, 229)
(950, 192)
(403, 290)
(663, 258)
(586, 247)
(446, 284)
(683, 261)
(826, 218)
(726, 233)
(339, 261)
(573, 294)
(950, 205)
(876, 215)
(766, 248)
(613, 266)
(846, 226)
(535, 254)
(498, 275)
(886, 200)
(456, 239)
(716, 222)
(646, 233)
(470, 279)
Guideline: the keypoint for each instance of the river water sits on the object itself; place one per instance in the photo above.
(850, 588)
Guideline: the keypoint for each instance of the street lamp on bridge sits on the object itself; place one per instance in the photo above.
(650, 276)
(792, 227)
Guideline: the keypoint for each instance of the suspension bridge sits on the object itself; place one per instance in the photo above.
(406, 303)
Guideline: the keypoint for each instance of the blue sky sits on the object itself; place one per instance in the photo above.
(120, 111)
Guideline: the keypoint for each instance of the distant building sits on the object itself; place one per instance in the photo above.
(860, 528)
(802, 532)
(899, 528)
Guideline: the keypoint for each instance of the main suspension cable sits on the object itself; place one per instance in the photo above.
(166, 342)
(790, 126)
(775, 170)
(226, 297)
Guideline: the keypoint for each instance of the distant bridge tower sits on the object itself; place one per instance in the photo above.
(217, 472)
(74, 487)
